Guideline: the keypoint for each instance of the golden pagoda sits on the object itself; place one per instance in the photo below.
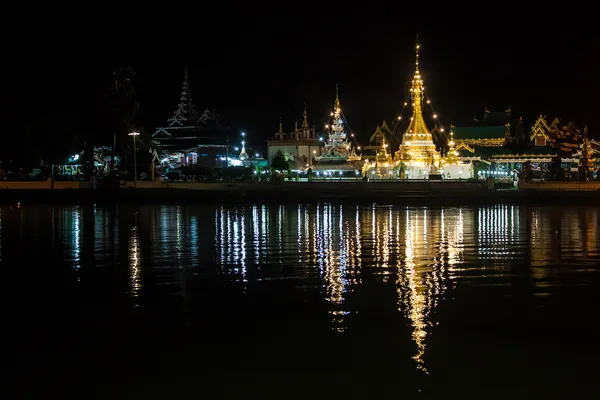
(417, 151)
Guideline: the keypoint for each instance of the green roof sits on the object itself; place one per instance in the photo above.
(484, 151)
(479, 132)
(543, 150)
(532, 151)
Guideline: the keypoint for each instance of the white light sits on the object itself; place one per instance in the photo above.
(134, 134)
(243, 134)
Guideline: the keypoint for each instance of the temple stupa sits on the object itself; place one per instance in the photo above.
(417, 154)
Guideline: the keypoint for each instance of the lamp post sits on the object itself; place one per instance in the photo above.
(134, 134)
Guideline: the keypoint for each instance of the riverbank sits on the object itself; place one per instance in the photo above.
(407, 193)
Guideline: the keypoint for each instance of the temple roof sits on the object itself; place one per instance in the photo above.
(417, 123)
(484, 151)
(479, 132)
(340, 166)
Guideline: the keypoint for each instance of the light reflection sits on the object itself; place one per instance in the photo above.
(256, 229)
(333, 260)
(231, 240)
(498, 229)
(69, 231)
(194, 239)
(135, 259)
(424, 246)
(433, 245)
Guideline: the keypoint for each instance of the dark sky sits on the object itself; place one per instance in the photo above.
(254, 69)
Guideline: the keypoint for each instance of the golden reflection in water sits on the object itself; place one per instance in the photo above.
(433, 245)
(541, 252)
(332, 259)
(300, 233)
(357, 256)
(134, 263)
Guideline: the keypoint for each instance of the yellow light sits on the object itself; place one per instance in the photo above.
(326, 126)
(434, 115)
(331, 113)
(442, 130)
(399, 118)
(428, 102)
(405, 103)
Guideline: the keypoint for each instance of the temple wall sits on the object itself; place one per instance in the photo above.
(26, 184)
(303, 150)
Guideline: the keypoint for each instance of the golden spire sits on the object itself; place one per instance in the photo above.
(296, 125)
(337, 100)
(280, 125)
(417, 124)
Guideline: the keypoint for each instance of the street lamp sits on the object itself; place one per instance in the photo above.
(134, 134)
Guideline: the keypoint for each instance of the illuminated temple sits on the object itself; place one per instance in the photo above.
(417, 156)
(417, 152)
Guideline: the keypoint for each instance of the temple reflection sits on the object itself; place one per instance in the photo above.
(433, 246)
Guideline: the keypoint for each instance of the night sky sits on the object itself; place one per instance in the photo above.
(253, 70)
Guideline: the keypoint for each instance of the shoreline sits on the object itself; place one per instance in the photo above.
(450, 194)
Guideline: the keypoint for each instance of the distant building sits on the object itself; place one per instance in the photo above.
(191, 138)
(302, 144)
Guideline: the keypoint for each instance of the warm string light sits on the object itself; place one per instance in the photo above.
(349, 129)
(399, 118)
(436, 120)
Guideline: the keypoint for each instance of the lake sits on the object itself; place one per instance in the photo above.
(302, 301)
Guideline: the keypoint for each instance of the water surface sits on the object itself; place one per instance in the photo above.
(326, 300)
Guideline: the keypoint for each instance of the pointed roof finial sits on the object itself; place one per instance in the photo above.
(336, 106)
(305, 125)
(186, 114)
(418, 46)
